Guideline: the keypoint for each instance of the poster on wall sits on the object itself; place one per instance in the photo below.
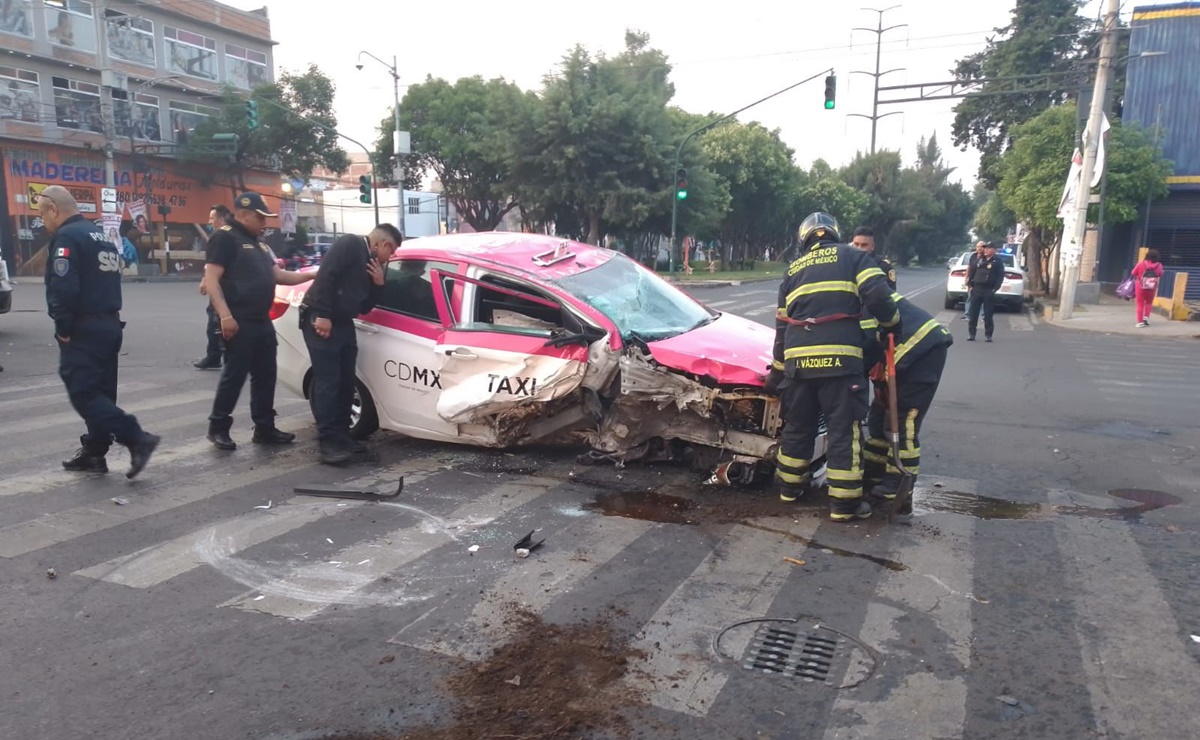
(111, 223)
(69, 23)
(137, 214)
(287, 217)
(15, 19)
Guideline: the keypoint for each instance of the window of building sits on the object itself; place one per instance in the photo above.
(20, 95)
(190, 53)
(130, 38)
(244, 67)
(77, 105)
(69, 23)
(408, 288)
(414, 205)
(185, 117)
(139, 121)
(15, 18)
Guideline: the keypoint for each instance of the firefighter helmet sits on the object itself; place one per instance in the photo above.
(818, 227)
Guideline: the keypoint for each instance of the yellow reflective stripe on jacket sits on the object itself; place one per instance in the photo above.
(869, 324)
(817, 350)
(868, 273)
(824, 286)
(776, 365)
(915, 339)
(892, 321)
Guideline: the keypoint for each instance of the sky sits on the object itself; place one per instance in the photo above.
(722, 60)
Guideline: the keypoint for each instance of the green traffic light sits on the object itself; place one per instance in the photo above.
(681, 194)
(828, 105)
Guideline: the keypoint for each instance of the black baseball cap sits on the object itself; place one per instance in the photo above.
(253, 202)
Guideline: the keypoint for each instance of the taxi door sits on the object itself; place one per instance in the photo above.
(496, 355)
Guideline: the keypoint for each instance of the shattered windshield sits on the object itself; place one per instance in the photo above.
(639, 302)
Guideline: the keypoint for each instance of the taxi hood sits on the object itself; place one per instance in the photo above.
(731, 350)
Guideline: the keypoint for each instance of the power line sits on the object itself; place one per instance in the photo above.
(879, 30)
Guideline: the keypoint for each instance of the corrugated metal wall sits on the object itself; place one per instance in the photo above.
(1170, 81)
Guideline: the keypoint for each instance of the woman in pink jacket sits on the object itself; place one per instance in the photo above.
(1146, 275)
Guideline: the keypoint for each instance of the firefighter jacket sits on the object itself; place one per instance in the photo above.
(919, 333)
(888, 270)
(825, 294)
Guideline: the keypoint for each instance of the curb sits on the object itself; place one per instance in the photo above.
(720, 283)
(1041, 313)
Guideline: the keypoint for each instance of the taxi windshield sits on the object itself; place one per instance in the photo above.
(641, 304)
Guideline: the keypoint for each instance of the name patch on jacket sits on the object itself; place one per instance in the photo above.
(814, 363)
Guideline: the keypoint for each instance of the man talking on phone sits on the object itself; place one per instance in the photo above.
(348, 284)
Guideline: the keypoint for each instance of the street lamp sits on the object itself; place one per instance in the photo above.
(392, 68)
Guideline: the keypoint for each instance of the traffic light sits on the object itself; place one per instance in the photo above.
(681, 184)
(252, 114)
(364, 189)
(830, 91)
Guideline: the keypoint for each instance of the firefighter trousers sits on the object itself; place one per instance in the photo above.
(913, 399)
(803, 402)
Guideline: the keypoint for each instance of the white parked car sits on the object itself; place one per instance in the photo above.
(1010, 295)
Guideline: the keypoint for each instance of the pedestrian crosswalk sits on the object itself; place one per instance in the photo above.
(1139, 377)
(440, 561)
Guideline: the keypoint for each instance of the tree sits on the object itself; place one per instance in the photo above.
(1034, 170)
(463, 134)
(892, 196)
(821, 190)
(296, 131)
(598, 145)
(993, 219)
(944, 209)
(1043, 37)
(762, 182)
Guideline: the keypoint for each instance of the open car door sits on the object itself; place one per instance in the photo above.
(505, 352)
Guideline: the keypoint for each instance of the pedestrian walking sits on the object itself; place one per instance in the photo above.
(1146, 275)
(922, 345)
(240, 276)
(864, 239)
(348, 284)
(817, 362)
(83, 297)
(218, 218)
(984, 280)
(971, 262)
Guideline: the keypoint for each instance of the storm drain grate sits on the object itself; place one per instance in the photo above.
(810, 655)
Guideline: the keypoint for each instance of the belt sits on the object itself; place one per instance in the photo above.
(811, 322)
(99, 314)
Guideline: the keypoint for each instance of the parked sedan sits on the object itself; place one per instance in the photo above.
(1011, 293)
(508, 339)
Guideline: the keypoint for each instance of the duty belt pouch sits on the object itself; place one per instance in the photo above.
(304, 311)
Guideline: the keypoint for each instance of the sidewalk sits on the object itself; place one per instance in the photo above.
(1114, 316)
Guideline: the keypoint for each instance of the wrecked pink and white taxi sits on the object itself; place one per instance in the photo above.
(508, 339)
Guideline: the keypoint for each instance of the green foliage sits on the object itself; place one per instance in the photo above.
(462, 134)
(1044, 36)
(295, 135)
(993, 219)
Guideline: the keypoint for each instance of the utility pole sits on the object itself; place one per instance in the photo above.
(879, 30)
(398, 172)
(1073, 246)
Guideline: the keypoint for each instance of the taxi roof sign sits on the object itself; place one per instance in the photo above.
(554, 256)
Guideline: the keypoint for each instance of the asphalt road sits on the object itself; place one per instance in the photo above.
(1023, 599)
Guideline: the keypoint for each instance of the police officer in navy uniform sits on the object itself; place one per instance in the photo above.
(984, 280)
(83, 297)
(818, 361)
(218, 217)
(922, 345)
(349, 283)
(240, 277)
(864, 239)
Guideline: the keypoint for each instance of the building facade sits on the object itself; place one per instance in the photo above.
(1162, 95)
(97, 96)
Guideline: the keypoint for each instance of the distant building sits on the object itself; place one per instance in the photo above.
(425, 213)
(140, 77)
(1162, 95)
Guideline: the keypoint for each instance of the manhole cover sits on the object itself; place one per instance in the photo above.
(811, 655)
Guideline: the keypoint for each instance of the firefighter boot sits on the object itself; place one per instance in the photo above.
(886, 489)
(849, 509)
(789, 492)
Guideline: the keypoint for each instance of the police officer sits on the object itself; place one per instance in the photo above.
(218, 216)
(864, 239)
(240, 275)
(921, 348)
(818, 361)
(971, 262)
(984, 280)
(349, 283)
(83, 297)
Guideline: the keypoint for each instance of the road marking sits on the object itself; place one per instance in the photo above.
(721, 304)
(937, 585)
(39, 403)
(1019, 322)
(41, 482)
(533, 584)
(1140, 673)
(162, 562)
(303, 591)
(738, 580)
(70, 417)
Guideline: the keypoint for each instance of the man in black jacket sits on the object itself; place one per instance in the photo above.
(348, 284)
(984, 280)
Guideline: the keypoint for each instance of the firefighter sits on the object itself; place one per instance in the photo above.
(921, 348)
(818, 361)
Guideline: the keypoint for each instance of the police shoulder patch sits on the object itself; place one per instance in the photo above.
(62, 266)
(892, 275)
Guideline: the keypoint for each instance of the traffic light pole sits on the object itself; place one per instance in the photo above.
(702, 129)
